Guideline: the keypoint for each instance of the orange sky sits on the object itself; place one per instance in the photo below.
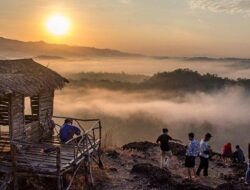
(162, 27)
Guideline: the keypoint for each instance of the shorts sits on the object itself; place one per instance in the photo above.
(190, 162)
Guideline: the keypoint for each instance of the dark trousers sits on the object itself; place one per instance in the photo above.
(203, 165)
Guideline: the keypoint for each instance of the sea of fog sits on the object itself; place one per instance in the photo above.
(149, 66)
(129, 116)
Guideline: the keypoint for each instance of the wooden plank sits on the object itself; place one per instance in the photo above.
(4, 123)
(27, 168)
(4, 109)
(2, 103)
(16, 115)
(6, 99)
(4, 116)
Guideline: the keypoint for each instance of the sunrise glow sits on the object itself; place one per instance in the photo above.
(58, 25)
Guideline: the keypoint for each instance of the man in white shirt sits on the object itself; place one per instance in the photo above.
(192, 152)
(204, 155)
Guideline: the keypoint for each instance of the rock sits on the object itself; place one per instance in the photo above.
(220, 164)
(162, 178)
(232, 186)
(135, 156)
(145, 174)
(113, 169)
(157, 177)
(112, 154)
(239, 170)
(139, 146)
(189, 185)
(228, 177)
(178, 149)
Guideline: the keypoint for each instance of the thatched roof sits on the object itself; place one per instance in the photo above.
(27, 77)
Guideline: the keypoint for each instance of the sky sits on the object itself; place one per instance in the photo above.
(152, 27)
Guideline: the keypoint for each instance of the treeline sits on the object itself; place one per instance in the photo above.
(121, 77)
(179, 80)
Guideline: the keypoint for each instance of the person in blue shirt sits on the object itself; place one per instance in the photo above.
(238, 155)
(67, 131)
(192, 151)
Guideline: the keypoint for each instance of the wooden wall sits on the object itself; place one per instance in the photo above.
(4, 110)
(12, 114)
(16, 116)
(37, 124)
(46, 100)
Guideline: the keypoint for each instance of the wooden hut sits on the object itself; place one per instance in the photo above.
(25, 79)
(26, 137)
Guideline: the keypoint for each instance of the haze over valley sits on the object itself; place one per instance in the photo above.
(125, 91)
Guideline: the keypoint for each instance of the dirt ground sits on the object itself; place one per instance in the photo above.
(119, 163)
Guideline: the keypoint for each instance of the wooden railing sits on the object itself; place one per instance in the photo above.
(47, 158)
(83, 124)
(88, 143)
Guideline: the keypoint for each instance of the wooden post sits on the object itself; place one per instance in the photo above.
(16, 116)
(14, 173)
(99, 148)
(58, 165)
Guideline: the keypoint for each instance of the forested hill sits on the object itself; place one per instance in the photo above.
(185, 79)
(179, 80)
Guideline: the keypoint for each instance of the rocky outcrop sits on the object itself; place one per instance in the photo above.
(163, 179)
(139, 146)
(156, 176)
(139, 169)
(112, 154)
(233, 186)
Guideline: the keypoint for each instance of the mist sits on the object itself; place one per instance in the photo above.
(235, 68)
(136, 116)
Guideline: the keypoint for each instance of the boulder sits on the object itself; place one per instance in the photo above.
(112, 154)
(162, 179)
(139, 146)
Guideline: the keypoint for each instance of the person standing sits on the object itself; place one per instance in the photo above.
(192, 152)
(204, 155)
(247, 180)
(166, 152)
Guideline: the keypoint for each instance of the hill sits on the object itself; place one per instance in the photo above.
(14, 48)
(181, 80)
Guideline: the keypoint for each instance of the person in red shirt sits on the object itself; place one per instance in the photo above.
(227, 152)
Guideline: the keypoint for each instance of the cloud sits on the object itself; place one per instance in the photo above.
(125, 1)
(226, 6)
(140, 116)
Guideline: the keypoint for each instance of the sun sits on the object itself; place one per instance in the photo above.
(58, 25)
